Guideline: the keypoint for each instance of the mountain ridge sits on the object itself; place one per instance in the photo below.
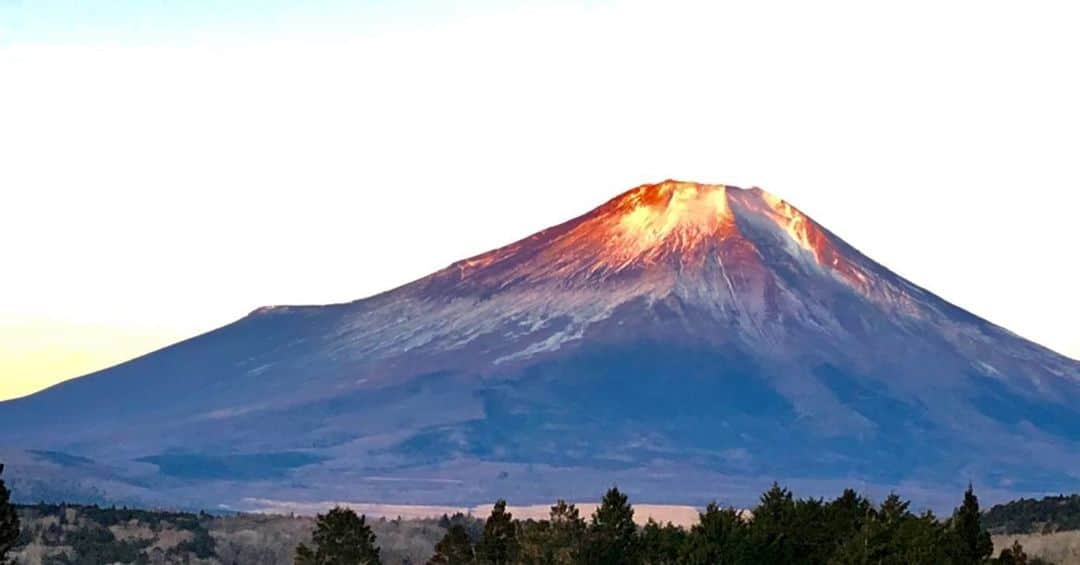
(678, 329)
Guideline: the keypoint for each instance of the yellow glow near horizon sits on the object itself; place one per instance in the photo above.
(37, 352)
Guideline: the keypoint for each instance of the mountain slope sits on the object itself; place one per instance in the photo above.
(683, 339)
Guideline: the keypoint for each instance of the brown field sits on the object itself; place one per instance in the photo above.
(1061, 548)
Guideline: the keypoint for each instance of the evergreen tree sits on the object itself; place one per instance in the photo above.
(891, 518)
(340, 538)
(810, 538)
(892, 535)
(661, 544)
(719, 538)
(567, 531)
(534, 543)
(923, 541)
(554, 541)
(455, 548)
(847, 514)
(971, 543)
(773, 527)
(612, 534)
(893, 510)
(876, 540)
(9, 521)
(498, 545)
(473, 526)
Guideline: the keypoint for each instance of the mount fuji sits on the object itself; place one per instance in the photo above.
(687, 341)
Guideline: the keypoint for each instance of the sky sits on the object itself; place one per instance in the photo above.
(167, 167)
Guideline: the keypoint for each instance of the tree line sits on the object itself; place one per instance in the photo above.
(1027, 515)
(780, 529)
(849, 529)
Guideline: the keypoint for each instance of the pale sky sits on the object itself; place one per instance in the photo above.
(167, 167)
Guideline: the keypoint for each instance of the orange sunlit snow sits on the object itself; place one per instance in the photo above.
(684, 212)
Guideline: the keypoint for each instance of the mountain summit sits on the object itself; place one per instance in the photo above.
(673, 225)
(688, 341)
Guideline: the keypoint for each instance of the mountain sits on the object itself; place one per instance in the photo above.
(687, 341)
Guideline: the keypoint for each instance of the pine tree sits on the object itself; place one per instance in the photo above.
(893, 510)
(9, 521)
(612, 535)
(567, 532)
(773, 527)
(971, 543)
(719, 538)
(498, 545)
(847, 514)
(455, 548)
(809, 539)
(924, 541)
(340, 538)
(554, 541)
(661, 544)
(534, 543)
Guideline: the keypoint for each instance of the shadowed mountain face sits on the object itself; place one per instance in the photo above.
(687, 341)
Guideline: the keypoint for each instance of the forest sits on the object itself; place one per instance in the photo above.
(780, 528)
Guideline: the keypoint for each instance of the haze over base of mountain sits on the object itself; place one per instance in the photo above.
(688, 342)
